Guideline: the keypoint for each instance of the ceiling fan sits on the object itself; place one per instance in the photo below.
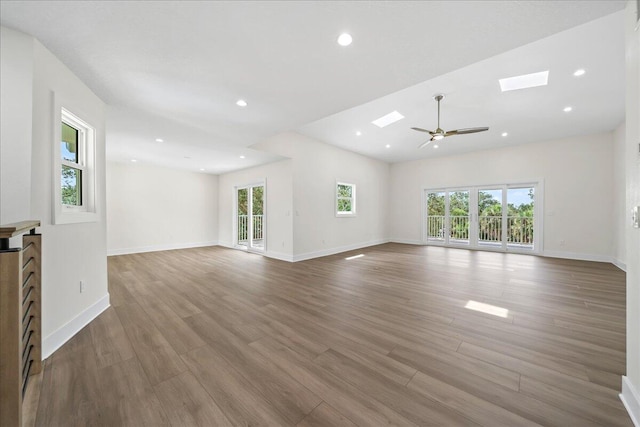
(439, 134)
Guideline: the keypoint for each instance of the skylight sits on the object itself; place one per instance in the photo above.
(525, 81)
(390, 118)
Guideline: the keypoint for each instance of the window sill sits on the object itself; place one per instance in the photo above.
(75, 217)
(346, 215)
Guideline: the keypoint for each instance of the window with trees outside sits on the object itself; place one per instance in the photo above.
(74, 170)
(72, 164)
(499, 217)
(345, 199)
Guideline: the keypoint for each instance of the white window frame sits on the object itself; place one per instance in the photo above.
(86, 212)
(72, 121)
(538, 243)
(351, 213)
(249, 187)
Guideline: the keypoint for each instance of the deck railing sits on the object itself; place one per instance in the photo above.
(519, 229)
(243, 227)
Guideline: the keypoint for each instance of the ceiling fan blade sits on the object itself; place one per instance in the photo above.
(424, 144)
(423, 130)
(464, 131)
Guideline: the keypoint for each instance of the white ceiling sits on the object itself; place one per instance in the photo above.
(174, 69)
(473, 99)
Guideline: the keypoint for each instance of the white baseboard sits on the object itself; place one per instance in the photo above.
(407, 242)
(55, 340)
(578, 256)
(333, 251)
(156, 248)
(279, 255)
(621, 265)
(269, 254)
(631, 400)
(316, 254)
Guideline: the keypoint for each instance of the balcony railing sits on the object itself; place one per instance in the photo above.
(519, 229)
(243, 228)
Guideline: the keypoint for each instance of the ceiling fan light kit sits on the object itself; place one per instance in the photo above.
(439, 133)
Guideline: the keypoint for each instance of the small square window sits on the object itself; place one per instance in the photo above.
(345, 199)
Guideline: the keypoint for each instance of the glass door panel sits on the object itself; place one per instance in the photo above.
(520, 208)
(490, 217)
(242, 209)
(459, 219)
(496, 217)
(257, 218)
(436, 214)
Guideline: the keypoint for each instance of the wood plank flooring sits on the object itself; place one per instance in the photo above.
(217, 337)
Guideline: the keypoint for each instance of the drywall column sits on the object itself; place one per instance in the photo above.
(631, 382)
(16, 87)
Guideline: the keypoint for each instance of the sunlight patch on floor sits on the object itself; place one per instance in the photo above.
(487, 308)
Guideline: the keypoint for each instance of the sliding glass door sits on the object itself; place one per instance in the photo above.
(250, 221)
(448, 217)
(490, 217)
(458, 223)
(436, 214)
(521, 206)
(500, 217)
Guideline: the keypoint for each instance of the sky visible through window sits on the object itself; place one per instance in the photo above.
(66, 154)
(515, 196)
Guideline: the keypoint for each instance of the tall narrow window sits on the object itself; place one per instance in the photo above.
(72, 164)
(345, 199)
(74, 198)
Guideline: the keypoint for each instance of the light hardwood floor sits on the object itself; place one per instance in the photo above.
(216, 337)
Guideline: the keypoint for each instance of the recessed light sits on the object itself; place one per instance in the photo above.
(525, 81)
(202, 169)
(242, 157)
(388, 146)
(345, 39)
(435, 146)
(390, 118)
(358, 133)
(133, 160)
(567, 109)
(159, 140)
(579, 72)
(241, 103)
(505, 134)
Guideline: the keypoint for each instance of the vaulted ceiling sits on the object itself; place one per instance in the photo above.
(174, 70)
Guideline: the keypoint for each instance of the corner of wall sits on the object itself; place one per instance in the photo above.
(56, 339)
(631, 400)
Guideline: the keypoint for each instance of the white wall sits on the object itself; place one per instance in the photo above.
(316, 168)
(619, 197)
(16, 86)
(154, 208)
(578, 179)
(631, 383)
(73, 252)
(279, 206)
